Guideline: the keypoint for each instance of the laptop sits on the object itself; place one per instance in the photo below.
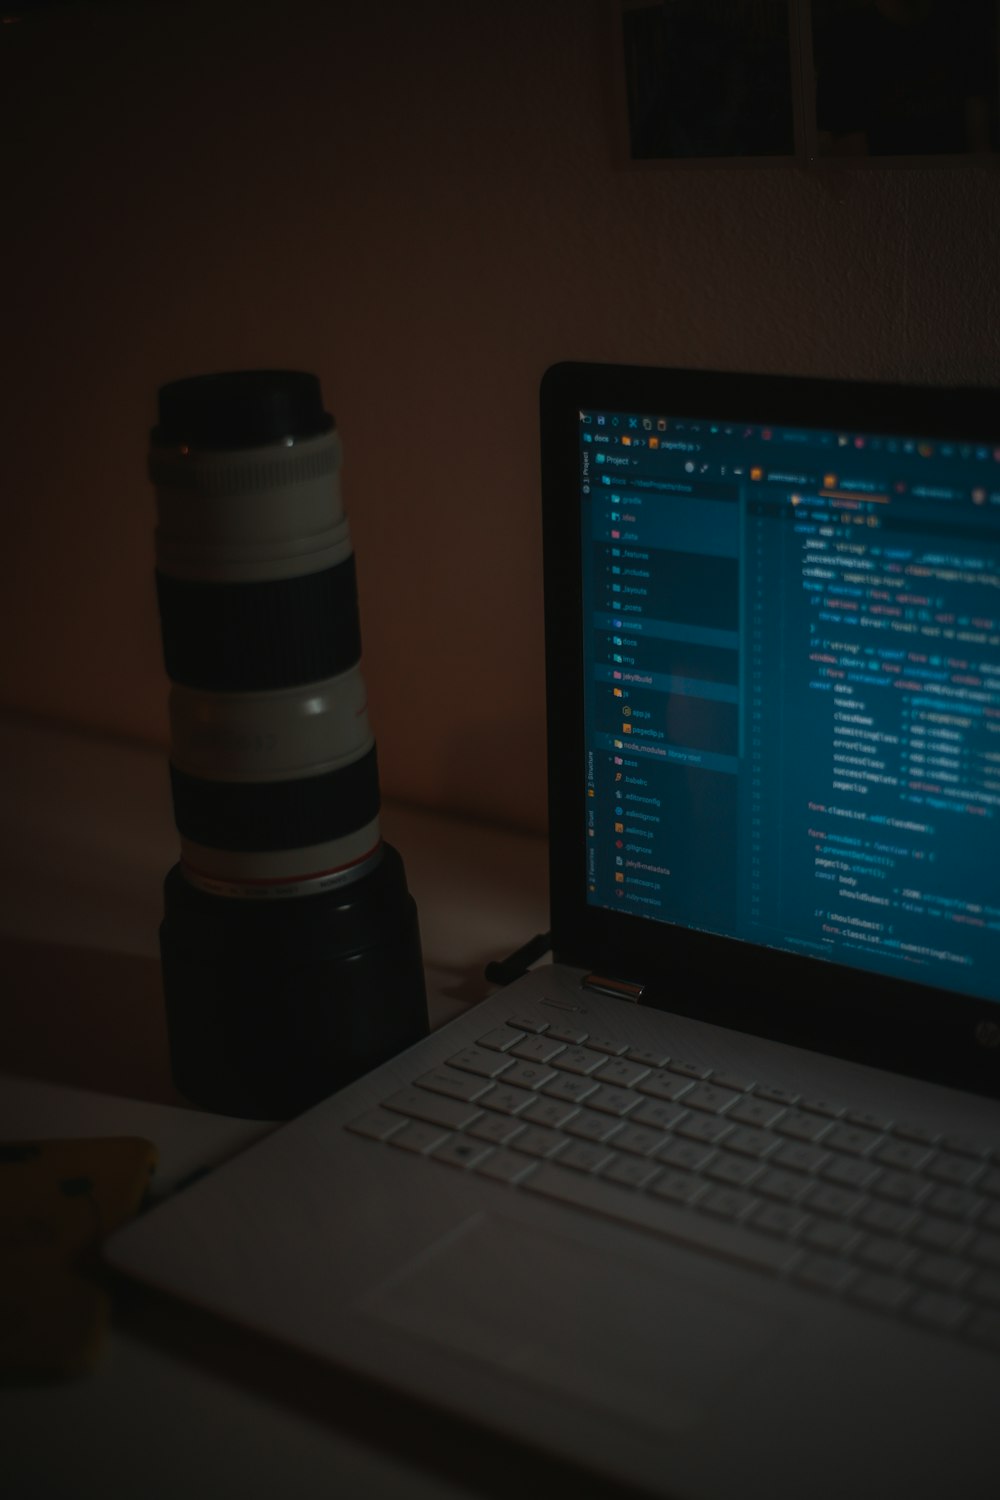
(711, 1204)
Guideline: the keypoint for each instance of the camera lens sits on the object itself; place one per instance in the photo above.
(273, 765)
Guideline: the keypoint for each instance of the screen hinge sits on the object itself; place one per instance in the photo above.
(621, 989)
(516, 965)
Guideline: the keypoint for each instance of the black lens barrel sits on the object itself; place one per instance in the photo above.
(270, 1010)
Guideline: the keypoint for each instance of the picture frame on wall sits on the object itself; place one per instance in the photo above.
(903, 80)
(845, 83)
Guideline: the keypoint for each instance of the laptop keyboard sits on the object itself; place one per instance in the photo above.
(886, 1214)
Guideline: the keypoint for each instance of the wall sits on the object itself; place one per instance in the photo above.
(420, 202)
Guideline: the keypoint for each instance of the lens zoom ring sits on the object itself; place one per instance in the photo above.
(259, 816)
(253, 637)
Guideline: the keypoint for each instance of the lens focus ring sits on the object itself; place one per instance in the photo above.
(265, 815)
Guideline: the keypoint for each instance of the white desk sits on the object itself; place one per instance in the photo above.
(178, 1404)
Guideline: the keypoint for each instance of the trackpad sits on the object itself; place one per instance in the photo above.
(602, 1328)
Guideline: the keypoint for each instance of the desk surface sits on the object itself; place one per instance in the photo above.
(179, 1404)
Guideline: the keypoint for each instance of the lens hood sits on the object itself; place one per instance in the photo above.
(240, 409)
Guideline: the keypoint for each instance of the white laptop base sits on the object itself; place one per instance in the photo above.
(690, 1260)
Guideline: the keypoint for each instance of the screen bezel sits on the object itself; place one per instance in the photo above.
(907, 1027)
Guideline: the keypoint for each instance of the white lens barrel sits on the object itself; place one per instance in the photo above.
(300, 731)
(272, 761)
(250, 515)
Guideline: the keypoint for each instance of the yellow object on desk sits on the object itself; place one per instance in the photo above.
(58, 1200)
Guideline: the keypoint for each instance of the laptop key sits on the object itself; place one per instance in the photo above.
(664, 1086)
(873, 1122)
(823, 1107)
(680, 1187)
(775, 1095)
(735, 1171)
(589, 1125)
(786, 1187)
(710, 1098)
(502, 1038)
(378, 1125)
(568, 1086)
(639, 1139)
(957, 1171)
(850, 1171)
(418, 1136)
(528, 1075)
(461, 1151)
(659, 1116)
(801, 1126)
(687, 1069)
(799, 1156)
(509, 1101)
(579, 1060)
(464, 1086)
(901, 1187)
(738, 1082)
(620, 1071)
(779, 1218)
(830, 1236)
(852, 1138)
(758, 1112)
(535, 1140)
(707, 1128)
(651, 1059)
(727, 1203)
(607, 1044)
(539, 1049)
(571, 1035)
(504, 1166)
(824, 1198)
(551, 1112)
(614, 1101)
(498, 1129)
(418, 1104)
(586, 1156)
(750, 1142)
(482, 1061)
(690, 1156)
(631, 1171)
(905, 1156)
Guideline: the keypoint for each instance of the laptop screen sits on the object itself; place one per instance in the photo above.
(791, 686)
